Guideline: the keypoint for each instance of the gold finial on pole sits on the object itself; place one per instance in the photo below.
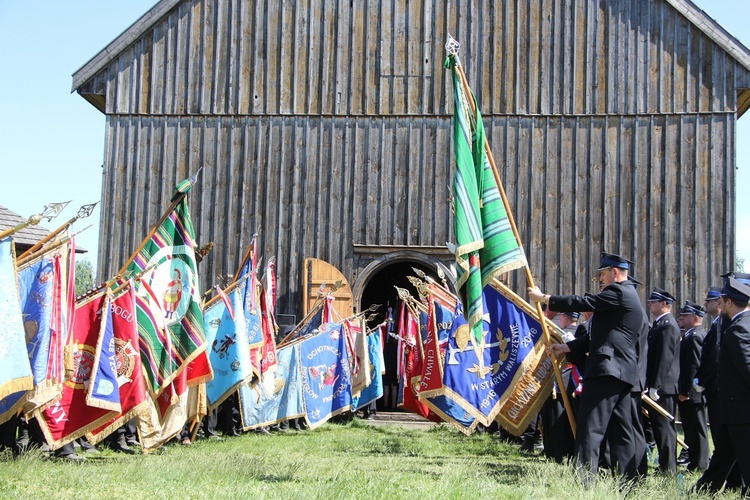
(49, 212)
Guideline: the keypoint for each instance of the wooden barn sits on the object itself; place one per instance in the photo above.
(326, 127)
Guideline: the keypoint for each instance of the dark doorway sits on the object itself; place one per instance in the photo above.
(380, 289)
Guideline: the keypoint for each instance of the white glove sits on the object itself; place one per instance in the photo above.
(653, 394)
(697, 386)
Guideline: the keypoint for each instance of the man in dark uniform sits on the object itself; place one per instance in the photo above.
(612, 367)
(709, 364)
(639, 433)
(661, 375)
(733, 441)
(690, 399)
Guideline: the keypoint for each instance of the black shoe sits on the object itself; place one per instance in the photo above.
(528, 446)
(262, 430)
(683, 458)
(123, 448)
(71, 458)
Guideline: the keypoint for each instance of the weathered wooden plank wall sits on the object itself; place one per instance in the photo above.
(323, 124)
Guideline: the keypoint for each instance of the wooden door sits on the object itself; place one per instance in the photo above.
(320, 278)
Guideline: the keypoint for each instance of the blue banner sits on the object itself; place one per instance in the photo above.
(324, 369)
(250, 305)
(448, 410)
(104, 391)
(373, 391)
(480, 378)
(258, 408)
(35, 292)
(443, 323)
(228, 347)
(15, 369)
(451, 413)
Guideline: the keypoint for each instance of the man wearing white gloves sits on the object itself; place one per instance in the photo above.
(661, 375)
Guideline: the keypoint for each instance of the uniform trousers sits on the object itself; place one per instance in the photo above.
(714, 418)
(732, 452)
(696, 436)
(665, 434)
(639, 435)
(605, 412)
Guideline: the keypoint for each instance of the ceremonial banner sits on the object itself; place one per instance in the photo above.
(268, 350)
(260, 408)
(229, 353)
(103, 390)
(70, 417)
(35, 285)
(410, 364)
(374, 389)
(251, 303)
(130, 380)
(164, 416)
(310, 324)
(431, 377)
(359, 362)
(168, 267)
(507, 376)
(326, 381)
(430, 384)
(15, 370)
(486, 245)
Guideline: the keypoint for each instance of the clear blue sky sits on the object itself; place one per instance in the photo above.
(52, 141)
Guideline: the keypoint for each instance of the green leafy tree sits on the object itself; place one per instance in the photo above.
(84, 276)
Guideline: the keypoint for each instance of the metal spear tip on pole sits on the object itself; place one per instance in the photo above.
(49, 212)
(194, 178)
(452, 46)
(419, 272)
(86, 210)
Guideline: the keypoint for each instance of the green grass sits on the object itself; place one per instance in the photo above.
(335, 461)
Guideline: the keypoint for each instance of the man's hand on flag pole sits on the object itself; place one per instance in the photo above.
(535, 294)
(557, 350)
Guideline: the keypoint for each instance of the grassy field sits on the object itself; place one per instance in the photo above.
(335, 461)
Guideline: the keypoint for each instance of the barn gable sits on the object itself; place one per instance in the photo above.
(326, 128)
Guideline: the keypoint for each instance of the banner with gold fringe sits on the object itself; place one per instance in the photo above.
(130, 380)
(16, 377)
(71, 417)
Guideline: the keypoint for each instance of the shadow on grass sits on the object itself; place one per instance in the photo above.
(267, 471)
(507, 473)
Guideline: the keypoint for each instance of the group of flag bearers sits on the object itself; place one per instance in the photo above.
(635, 368)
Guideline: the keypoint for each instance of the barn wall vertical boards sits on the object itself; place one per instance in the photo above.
(326, 125)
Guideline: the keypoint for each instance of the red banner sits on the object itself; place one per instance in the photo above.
(129, 371)
(70, 417)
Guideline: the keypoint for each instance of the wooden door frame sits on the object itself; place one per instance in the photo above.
(386, 260)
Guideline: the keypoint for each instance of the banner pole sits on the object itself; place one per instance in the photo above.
(83, 212)
(529, 277)
(151, 233)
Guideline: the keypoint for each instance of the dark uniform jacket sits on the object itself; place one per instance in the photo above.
(663, 355)
(642, 354)
(690, 358)
(710, 359)
(615, 325)
(734, 371)
(578, 356)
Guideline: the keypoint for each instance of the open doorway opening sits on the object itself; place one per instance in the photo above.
(381, 289)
